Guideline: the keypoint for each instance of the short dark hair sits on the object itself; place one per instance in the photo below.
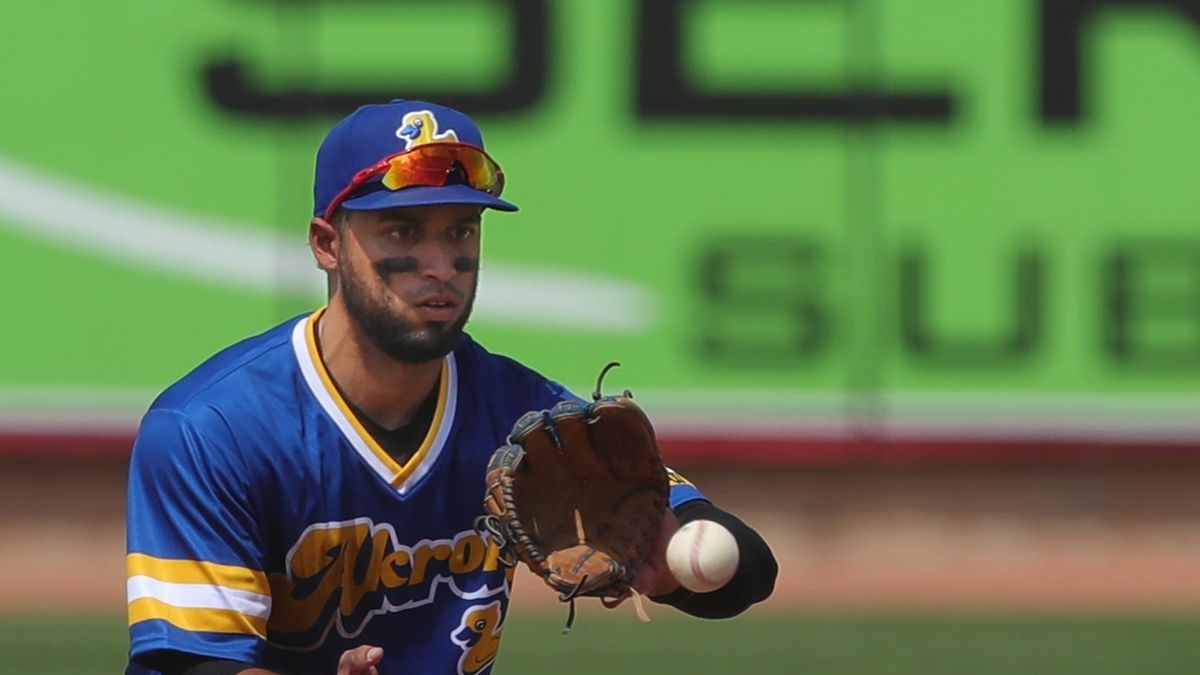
(339, 217)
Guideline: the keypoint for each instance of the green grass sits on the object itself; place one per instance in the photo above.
(809, 645)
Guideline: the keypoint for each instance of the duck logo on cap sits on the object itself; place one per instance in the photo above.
(420, 127)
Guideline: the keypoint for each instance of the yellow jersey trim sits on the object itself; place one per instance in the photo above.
(197, 619)
(197, 572)
(399, 472)
(676, 478)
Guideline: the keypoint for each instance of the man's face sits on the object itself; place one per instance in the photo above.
(408, 276)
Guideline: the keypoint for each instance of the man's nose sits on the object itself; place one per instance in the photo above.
(437, 262)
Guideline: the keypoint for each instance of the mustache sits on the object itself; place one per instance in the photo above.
(435, 288)
(408, 263)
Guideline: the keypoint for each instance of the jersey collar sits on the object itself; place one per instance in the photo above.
(400, 477)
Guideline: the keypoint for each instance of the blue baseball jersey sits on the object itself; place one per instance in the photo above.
(265, 525)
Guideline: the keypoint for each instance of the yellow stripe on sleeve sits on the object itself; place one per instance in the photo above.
(197, 619)
(197, 572)
(676, 478)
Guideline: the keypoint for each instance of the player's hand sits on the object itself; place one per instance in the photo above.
(653, 576)
(360, 661)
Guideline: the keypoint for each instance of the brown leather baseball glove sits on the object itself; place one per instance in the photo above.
(578, 495)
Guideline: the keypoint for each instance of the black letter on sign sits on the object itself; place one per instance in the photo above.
(761, 300)
(1153, 309)
(968, 352)
(1063, 29)
(235, 87)
(663, 89)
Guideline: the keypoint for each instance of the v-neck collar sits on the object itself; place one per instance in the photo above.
(316, 376)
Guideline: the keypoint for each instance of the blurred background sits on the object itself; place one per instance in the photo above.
(912, 287)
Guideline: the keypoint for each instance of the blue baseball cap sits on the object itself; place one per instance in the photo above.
(374, 132)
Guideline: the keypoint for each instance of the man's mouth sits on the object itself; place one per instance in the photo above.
(437, 308)
(439, 300)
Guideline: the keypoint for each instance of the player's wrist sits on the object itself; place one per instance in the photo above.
(653, 582)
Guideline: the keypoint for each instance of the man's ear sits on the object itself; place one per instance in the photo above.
(325, 241)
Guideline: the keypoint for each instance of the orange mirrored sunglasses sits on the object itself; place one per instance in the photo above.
(430, 165)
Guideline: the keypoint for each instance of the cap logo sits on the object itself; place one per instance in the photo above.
(420, 127)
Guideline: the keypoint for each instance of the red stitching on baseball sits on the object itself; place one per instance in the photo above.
(694, 554)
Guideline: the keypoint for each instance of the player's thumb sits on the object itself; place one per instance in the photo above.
(360, 660)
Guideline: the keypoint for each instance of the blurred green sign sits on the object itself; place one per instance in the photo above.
(917, 210)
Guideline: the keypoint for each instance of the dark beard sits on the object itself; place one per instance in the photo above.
(394, 336)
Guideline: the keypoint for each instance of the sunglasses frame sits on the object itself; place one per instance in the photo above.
(384, 165)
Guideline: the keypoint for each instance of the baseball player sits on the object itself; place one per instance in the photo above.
(303, 501)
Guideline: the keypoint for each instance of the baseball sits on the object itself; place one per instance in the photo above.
(702, 555)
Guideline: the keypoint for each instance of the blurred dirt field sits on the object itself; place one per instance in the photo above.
(1015, 538)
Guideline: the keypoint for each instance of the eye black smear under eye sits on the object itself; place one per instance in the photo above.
(406, 264)
(401, 265)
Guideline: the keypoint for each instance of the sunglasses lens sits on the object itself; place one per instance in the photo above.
(443, 164)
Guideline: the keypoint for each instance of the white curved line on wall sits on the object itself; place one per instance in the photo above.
(244, 258)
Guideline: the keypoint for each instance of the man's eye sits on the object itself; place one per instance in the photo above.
(403, 232)
(462, 232)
